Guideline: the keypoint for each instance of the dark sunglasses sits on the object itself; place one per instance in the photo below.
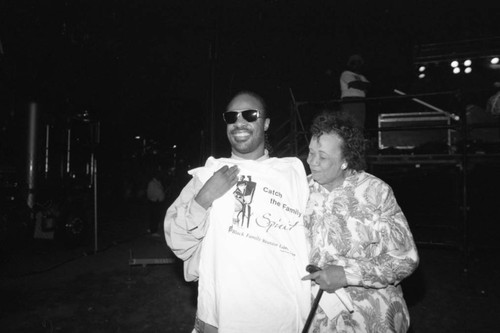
(230, 117)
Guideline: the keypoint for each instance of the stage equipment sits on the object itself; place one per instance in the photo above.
(149, 261)
(461, 50)
(413, 129)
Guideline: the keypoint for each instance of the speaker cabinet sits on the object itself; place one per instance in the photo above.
(413, 129)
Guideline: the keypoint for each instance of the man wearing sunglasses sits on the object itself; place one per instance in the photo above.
(238, 227)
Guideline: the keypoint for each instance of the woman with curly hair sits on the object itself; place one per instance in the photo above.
(360, 237)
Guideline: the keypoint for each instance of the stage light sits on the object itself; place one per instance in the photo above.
(456, 70)
(467, 70)
(421, 75)
(494, 60)
(467, 62)
(454, 64)
(421, 69)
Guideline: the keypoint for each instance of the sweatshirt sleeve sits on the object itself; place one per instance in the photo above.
(185, 225)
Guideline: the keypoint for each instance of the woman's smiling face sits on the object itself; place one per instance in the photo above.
(326, 159)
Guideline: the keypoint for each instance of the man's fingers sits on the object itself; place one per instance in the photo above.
(233, 170)
(228, 170)
(226, 174)
(223, 169)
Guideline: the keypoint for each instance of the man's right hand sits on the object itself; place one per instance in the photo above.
(217, 185)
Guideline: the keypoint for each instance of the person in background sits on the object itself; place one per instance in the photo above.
(238, 226)
(353, 88)
(359, 235)
(493, 103)
(155, 193)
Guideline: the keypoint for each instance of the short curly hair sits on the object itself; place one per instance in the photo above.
(353, 148)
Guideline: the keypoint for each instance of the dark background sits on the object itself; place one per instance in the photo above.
(163, 69)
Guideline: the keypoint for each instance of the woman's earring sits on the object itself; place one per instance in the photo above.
(343, 166)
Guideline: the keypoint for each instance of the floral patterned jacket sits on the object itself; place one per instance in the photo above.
(361, 227)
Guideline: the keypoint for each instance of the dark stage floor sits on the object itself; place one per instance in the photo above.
(53, 289)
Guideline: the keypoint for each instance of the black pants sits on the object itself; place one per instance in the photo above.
(156, 215)
(357, 110)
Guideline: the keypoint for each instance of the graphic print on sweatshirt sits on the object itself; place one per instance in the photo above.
(265, 207)
(245, 189)
(246, 216)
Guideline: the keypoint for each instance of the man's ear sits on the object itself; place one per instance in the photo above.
(266, 124)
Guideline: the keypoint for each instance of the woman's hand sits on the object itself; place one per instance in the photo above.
(329, 279)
